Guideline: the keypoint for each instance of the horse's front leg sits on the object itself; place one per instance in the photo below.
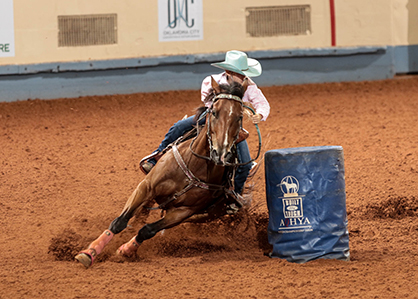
(172, 218)
(139, 198)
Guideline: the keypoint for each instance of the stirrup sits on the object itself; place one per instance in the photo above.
(235, 197)
(232, 209)
(147, 166)
(155, 155)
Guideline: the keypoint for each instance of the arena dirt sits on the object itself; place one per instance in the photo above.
(67, 167)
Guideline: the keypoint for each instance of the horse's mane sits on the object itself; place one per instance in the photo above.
(235, 89)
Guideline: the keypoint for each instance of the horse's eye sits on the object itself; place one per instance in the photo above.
(214, 114)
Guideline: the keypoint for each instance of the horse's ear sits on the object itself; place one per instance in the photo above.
(229, 79)
(215, 86)
(245, 84)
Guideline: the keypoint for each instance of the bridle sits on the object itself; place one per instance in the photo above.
(223, 96)
(192, 180)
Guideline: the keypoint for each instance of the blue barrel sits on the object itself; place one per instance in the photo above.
(306, 197)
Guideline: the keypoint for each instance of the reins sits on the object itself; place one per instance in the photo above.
(259, 138)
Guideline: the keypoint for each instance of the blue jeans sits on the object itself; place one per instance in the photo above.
(185, 125)
(243, 170)
(177, 130)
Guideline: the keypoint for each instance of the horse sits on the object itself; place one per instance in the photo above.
(187, 179)
(290, 187)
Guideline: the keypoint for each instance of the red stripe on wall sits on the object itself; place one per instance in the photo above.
(332, 10)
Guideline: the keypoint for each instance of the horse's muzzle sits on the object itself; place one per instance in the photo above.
(220, 158)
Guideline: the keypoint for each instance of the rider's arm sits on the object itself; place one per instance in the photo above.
(205, 90)
(256, 97)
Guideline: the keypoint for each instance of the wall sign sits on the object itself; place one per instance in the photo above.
(7, 35)
(180, 20)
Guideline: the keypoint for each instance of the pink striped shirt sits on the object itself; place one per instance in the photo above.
(253, 94)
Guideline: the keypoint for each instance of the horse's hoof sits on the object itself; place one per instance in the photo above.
(84, 259)
(128, 249)
(123, 252)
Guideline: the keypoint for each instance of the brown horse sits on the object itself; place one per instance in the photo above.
(187, 178)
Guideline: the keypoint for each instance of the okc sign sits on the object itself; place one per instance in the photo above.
(6, 29)
(180, 20)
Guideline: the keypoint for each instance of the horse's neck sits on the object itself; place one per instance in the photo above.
(199, 166)
(201, 144)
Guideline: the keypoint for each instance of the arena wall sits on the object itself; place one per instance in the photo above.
(343, 40)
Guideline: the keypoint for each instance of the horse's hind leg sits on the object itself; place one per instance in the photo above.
(139, 198)
(172, 218)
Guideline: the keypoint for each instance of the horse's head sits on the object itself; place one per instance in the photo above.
(224, 119)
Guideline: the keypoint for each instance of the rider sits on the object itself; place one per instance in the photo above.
(237, 66)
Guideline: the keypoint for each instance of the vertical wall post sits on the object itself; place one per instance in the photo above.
(332, 13)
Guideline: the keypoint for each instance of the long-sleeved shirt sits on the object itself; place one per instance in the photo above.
(252, 95)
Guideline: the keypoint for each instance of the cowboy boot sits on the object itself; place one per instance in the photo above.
(128, 249)
(87, 256)
(147, 166)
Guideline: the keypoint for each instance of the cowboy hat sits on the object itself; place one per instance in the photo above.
(238, 62)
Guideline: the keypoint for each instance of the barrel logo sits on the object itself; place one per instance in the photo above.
(292, 207)
(289, 186)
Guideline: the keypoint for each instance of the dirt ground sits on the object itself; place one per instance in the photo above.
(67, 166)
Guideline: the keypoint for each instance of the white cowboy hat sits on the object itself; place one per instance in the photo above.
(238, 62)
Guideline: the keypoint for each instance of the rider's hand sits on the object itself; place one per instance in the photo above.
(256, 118)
